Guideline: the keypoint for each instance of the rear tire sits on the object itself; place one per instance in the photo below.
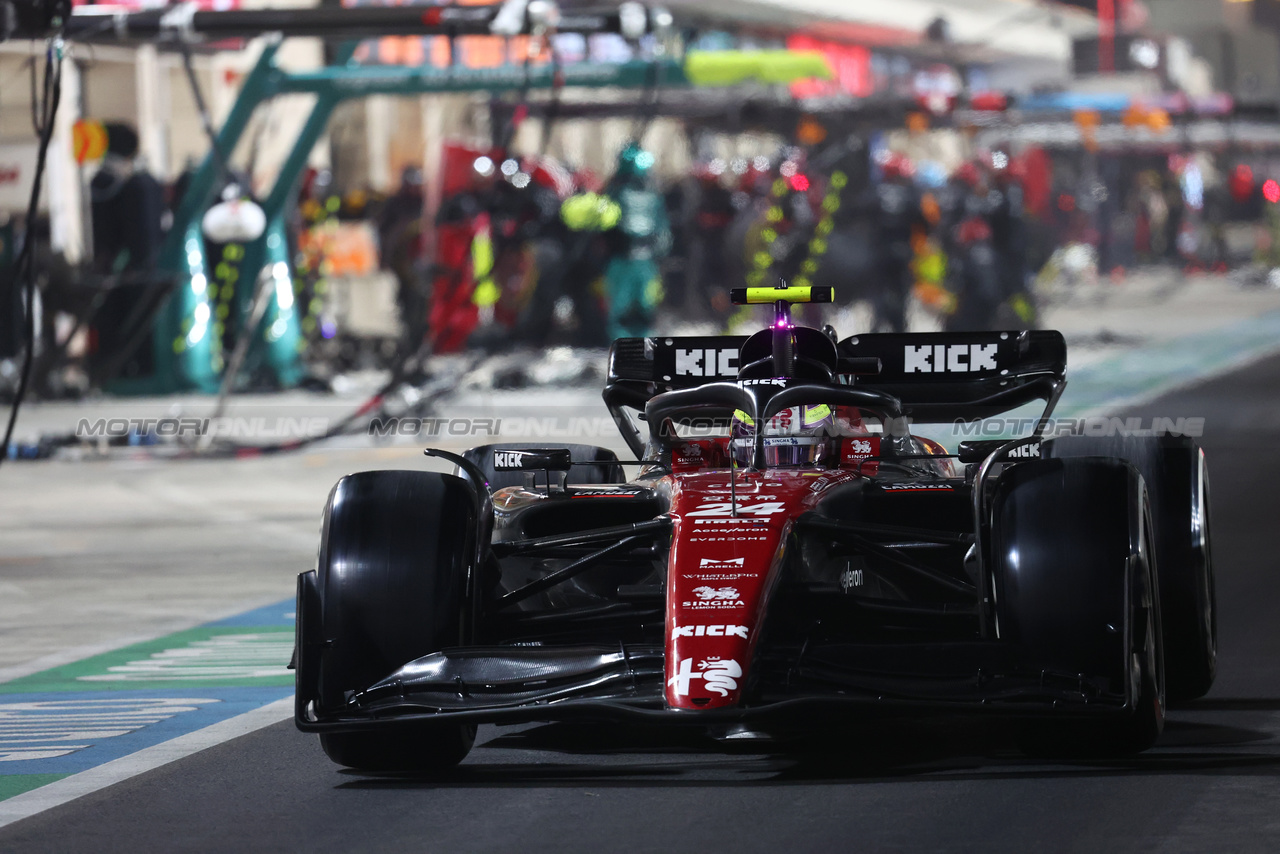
(395, 553)
(1177, 478)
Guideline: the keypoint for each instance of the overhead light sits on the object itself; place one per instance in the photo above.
(1144, 53)
(633, 20)
(543, 14)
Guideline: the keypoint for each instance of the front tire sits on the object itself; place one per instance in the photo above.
(1078, 592)
(431, 748)
(395, 554)
(1177, 479)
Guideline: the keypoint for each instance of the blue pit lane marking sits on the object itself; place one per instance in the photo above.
(46, 735)
(278, 614)
(95, 727)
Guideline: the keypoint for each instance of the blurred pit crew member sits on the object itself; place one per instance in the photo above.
(1010, 240)
(973, 275)
(642, 237)
(894, 209)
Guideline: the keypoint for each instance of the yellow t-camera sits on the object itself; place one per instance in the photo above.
(792, 294)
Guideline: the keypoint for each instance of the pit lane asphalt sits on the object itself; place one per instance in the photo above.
(1211, 784)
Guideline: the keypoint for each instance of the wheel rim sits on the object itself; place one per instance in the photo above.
(1208, 594)
(1153, 649)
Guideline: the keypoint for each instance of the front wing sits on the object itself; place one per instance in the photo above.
(517, 684)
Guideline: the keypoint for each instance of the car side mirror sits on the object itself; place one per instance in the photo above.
(976, 452)
(533, 459)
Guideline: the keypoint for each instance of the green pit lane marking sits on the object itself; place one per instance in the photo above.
(243, 653)
(16, 784)
(208, 656)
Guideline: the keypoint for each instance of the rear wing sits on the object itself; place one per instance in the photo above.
(642, 368)
(669, 364)
(948, 376)
(938, 376)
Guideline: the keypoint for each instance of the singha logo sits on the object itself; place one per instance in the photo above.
(706, 593)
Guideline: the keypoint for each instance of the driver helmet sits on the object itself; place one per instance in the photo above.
(797, 436)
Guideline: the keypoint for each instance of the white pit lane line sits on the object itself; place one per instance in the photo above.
(118, 770)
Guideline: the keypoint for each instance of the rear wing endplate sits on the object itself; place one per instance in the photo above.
(642, 368)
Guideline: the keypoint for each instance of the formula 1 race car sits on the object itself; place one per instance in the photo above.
(789, 553)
